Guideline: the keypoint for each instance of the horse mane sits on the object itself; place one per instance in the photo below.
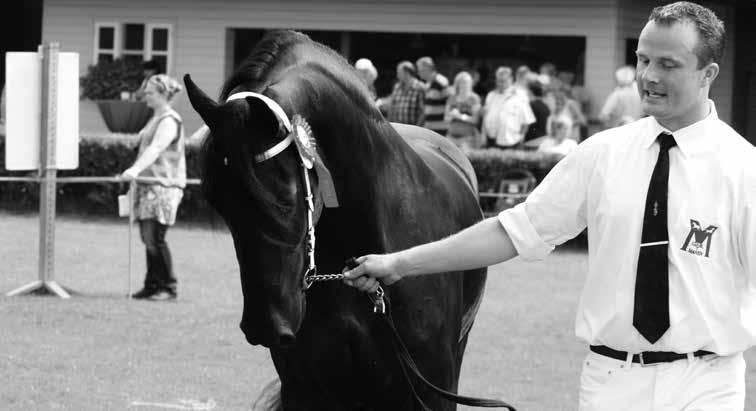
(328, 87)
(254, 69)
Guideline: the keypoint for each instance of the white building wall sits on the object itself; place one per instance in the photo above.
(200, 27)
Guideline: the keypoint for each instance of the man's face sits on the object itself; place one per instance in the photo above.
(402, 75)
(672, 88)
(425, 72)
(503, 81)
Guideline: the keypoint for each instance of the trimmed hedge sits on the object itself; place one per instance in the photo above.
(98, 156)
(490, 164)
(108, 156)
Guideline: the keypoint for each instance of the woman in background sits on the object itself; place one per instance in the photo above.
(462, 113)
(558, 140)
(161, 160)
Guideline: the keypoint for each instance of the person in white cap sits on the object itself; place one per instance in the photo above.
(368, 73)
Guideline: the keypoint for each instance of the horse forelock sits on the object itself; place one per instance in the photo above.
(255, 70)
(229, 167)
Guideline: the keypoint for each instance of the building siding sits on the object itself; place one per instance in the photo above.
(200, 30)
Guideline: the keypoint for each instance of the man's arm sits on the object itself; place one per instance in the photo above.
(483, 244)
(420, 108)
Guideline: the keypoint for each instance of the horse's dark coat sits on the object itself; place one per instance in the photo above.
(397, 187)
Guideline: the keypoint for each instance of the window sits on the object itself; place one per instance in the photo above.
(133, 41)
(105, 41)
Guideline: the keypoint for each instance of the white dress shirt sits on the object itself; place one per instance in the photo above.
(505, 116)
(602, 185)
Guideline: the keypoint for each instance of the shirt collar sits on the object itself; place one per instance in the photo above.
(690, 139)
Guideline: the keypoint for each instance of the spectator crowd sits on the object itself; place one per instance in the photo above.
(544, 110)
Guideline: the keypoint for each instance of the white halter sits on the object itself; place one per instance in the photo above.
(280, 114)
(306, 164)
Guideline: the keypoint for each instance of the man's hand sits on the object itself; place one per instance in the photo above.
(373, 268)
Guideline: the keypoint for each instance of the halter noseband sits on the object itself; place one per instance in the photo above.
(311, 274)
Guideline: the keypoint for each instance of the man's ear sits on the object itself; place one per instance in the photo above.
(711, 71)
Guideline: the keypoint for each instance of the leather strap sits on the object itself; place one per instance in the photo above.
(408, 365)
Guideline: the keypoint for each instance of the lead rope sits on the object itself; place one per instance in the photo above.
(381, 306)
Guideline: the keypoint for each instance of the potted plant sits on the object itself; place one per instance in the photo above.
(110, 84)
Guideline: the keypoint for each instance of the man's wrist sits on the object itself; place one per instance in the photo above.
(400, 265)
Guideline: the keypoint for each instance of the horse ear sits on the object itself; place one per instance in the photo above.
(201, 102)
(261, 114)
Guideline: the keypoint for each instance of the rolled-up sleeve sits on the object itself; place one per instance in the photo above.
(526, 240)
(555, 211)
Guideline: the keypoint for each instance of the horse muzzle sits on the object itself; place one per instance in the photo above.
(278, 338)
(272, 333)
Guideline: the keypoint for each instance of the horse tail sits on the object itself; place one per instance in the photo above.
(270, 397)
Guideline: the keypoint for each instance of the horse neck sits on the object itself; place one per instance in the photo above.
(368, 152)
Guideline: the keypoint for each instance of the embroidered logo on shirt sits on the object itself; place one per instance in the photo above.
(698, 239)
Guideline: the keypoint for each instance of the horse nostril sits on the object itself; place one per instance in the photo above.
(286, 340)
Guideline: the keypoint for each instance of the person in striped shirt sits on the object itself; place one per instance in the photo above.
(437, 91)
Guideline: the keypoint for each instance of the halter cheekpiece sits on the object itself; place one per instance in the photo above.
(299, 132)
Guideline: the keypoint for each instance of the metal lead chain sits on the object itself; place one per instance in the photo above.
(324, 277)
(379, 305)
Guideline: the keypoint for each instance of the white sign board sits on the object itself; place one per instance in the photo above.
(23, 112)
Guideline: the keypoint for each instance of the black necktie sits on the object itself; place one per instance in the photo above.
(651, 312)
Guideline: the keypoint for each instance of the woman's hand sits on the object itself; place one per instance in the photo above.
(130, 174)
(373, 268)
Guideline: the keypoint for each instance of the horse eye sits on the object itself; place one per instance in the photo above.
(225, 161)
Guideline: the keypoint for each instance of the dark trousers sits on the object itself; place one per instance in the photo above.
(159, 263)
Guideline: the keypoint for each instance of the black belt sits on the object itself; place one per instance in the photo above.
(646, 357)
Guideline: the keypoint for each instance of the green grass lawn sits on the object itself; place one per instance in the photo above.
(100, 351)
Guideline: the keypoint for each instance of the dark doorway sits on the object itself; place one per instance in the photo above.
(631, 46)
(22, 23)
(452, 52)
(744, 84)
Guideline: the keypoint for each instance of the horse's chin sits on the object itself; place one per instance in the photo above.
(279, 341)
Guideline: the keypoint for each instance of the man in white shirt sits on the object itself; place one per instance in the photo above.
(506, 112)
(689, 355)
(623, 104)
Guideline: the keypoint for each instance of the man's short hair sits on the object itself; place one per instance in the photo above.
(504, 71)
(407, 67)
(425, 61)
(711, 31)
(548, 68)
(522, 72)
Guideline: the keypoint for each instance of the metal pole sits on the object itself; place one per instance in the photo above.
(48, 174)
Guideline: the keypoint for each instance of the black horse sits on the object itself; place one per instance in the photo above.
(397, 186)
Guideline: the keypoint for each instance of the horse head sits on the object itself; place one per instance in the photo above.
(265, 202)
(262, 197)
